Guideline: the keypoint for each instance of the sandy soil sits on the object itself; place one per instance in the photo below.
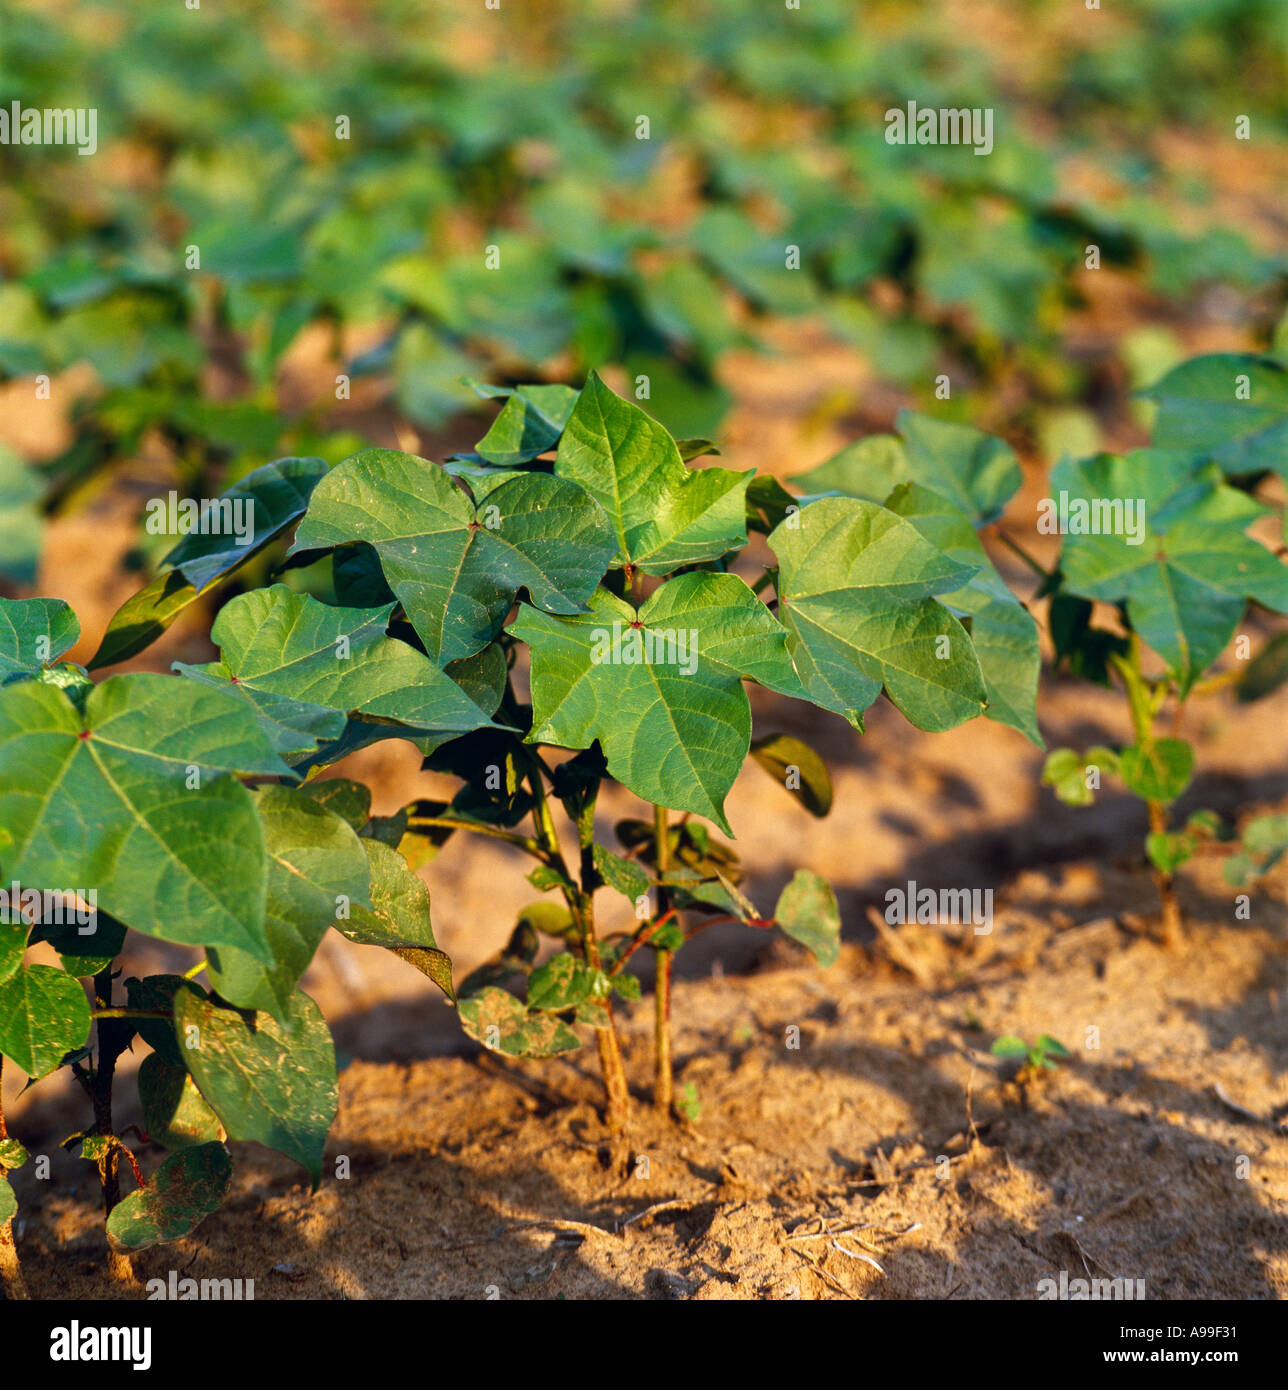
(1159, 1152)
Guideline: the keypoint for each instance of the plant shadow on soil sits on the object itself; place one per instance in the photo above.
(469, 1178)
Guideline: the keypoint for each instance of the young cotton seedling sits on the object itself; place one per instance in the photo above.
(193, 807)
(1043, 1055)
(1181, 590)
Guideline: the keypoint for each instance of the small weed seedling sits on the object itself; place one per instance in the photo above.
(563, 608)
(1043, 1055)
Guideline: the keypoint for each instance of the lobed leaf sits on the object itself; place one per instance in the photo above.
(44, 1015)
(675, 728)
(108, 800)
(455, 565)
(855, 583)
(33, 633)
(663, 514)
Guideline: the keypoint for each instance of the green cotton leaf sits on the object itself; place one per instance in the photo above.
(561, 983)
(503, 1024)
(1187, 583)
(187, 1188)
(398, 916)
(435, 965)
(691, 449)
(397, 913)
(350, 800)
(357, 579)
(1002, 631)
(174, 1114)
(156, 993)
(316, 869)
(44, 1015)
(627, 986)
(33, 633)
(13, 944)
(270, 1081)
(807, 912)
(1169, 851)
(622, 875)
(1159, 772)
(593, 1014)
(530, 422)
(1266, 672)
(855, 584)
(1010, 1046)
(1264, 844)
(87, 954)
(74, 681)
(796, 766)
(263, 504)
(665, 699)
(127, 798)
(456, 567)
(143, 617)
(1087, 649)
(22, 524)
(1068, 772)
(976, 472)
(12, 1154)
(8, 1202)
(297, 662)
(1229, 407)
(550, 919)
(663, 513)
(768, 502)
(254, 511)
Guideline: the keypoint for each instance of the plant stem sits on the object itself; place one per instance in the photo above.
(15, 1286)
(641, 938)
(663, 1081)
(523, 842)
(581, 903)
(1143, 700)
(1017, 549)
(133, 1013)
(113, 1039)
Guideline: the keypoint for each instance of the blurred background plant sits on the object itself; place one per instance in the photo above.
(195, 289)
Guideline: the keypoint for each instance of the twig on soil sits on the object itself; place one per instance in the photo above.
(651, 1211)
(854, 1255)
(826, 1277)
(970, 1115)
